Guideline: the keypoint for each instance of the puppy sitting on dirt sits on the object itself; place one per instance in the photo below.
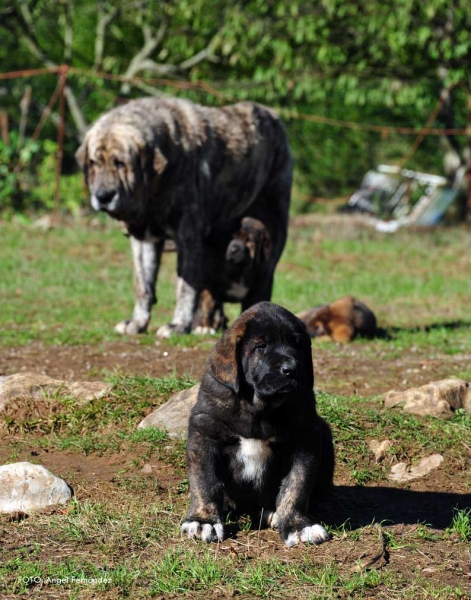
(255, 441)
(342, 320)
(234, 274)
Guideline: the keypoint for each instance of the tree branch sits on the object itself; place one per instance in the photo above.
(104, 20)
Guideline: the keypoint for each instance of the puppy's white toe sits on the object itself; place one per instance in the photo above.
(292, 539)
(315, 534)
(191, 528)
(205, 531)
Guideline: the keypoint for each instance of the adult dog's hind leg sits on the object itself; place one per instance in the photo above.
(146, 259)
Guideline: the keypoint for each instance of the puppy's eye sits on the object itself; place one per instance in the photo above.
(260, 346)
(119, 164)
(92, 163)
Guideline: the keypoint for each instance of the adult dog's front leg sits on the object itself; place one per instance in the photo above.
(292, 514)
(204, 517)
(146, 259)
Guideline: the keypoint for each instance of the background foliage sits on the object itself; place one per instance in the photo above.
(381, 63)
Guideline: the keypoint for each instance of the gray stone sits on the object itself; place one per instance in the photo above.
(37, 387)
(438, 398)
(403, 472)
(25, 487)
(174, 414)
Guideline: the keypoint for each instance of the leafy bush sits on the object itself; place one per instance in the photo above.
(28, 178)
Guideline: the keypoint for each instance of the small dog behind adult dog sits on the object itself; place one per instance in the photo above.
(341, 320)
(256, 444)
(234, 273)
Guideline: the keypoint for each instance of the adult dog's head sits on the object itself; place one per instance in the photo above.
(264, 357)
(250, 244)
(121, 162)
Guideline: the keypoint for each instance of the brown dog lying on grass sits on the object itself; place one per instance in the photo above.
(234, 273)
(341, 321)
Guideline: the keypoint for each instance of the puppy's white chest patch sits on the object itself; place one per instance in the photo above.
(253, 455)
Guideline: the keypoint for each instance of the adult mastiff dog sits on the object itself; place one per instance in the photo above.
(172, 169)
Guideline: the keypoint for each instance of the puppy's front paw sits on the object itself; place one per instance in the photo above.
(312, 534)
(208, 532)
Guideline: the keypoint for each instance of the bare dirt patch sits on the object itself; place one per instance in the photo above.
(355, 369)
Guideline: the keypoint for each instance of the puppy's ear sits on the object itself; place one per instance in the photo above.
(309, 368)
(225, 363)
(160, 162)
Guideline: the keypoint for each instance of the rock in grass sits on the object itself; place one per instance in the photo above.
(403, 472)
(33, 386)
(25, 487)
(174, 414)
(438, 398)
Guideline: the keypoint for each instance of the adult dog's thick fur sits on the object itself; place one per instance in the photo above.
(172, 169)
(341, 320)
(255, 441)
(234, 273)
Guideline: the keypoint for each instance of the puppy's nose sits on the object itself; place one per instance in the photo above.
(235, 251)
(105, 196)
(288, 368)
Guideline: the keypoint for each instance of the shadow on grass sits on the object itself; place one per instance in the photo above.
(389, 333)
(360, 506)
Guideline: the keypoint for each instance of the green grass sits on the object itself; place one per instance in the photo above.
(72, 285)
(461, 524)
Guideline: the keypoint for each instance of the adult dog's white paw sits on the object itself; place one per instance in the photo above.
(130, 327)
(204, 531)
(165, 331)
(314, 534)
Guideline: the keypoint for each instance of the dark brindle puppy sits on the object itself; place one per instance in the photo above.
(172, 169)
(234, 274)
(255, 441)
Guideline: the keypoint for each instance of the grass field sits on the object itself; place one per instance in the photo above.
(119, 537)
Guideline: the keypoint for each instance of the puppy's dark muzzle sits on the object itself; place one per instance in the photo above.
(236, 252)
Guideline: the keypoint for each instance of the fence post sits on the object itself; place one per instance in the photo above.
(63, 70)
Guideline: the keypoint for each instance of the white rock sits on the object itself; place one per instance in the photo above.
(403, 472)
(25, 487)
